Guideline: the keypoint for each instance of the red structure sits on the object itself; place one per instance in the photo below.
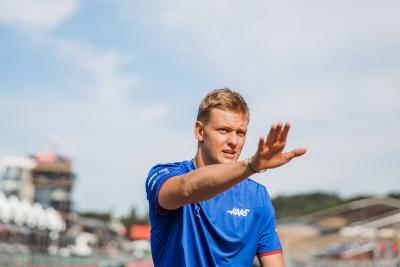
(140, 232)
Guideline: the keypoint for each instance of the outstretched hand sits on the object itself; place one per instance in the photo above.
(270, 150)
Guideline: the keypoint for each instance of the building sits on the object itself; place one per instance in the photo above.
(45, 178)
(16, 177)
(53, 180)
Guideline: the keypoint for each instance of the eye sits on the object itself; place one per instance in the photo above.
(241, 133)
(222, 130)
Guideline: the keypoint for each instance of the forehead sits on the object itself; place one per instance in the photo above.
(232, 119)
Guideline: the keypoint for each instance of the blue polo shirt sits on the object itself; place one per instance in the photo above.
(227, 230)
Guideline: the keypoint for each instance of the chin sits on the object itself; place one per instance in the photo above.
(227, 160)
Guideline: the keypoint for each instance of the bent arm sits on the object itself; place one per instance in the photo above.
(202, 184)
(207, 182)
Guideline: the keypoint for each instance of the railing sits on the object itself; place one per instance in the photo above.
(44, 260)
(392, 262)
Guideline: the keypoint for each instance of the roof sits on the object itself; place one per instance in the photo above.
(55, 167)
(356, 211)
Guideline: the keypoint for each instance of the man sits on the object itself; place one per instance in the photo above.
(205, 211)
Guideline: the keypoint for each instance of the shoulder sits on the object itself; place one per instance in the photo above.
(173, 165)
(163, 171)
(161, 168)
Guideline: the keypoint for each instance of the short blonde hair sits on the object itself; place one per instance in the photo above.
(223, 99)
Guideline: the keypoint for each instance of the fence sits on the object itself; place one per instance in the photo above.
(393, 262)
(44, 260)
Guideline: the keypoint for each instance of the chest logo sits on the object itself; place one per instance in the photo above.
(196, 210)
(238, 212)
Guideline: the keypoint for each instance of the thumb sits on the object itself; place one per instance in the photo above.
(295, 153)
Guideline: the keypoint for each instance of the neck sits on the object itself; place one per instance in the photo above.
(199, 160)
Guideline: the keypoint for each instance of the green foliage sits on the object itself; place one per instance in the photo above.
(134, 218)
(285, 206)
(104, 216)
(394, 195)
(358, 197)
(301, 204)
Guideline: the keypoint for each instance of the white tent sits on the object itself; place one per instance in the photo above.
(24, 213)
(34, 214)
(5, 209)
(14, 204)
(55, 222)
(42, 218)
(47, 219)
(21, 214)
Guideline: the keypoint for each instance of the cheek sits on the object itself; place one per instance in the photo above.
(214, 141)
(241, 142)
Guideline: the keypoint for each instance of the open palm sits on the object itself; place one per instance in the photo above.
(270, 150)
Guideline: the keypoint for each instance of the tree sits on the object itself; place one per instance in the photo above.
(134, 218)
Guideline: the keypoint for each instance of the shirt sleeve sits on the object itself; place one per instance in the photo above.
(268, 241)
(158, 175)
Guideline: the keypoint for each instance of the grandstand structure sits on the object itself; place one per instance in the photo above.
(38, 226)
(44, 178)
(361, 233)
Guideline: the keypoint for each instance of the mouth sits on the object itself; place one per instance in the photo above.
(229, 153)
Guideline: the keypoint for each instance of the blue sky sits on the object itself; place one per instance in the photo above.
(116, 85)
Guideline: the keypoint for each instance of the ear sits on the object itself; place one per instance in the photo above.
(199, 131)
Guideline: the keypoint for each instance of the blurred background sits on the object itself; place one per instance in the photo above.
(94, 93)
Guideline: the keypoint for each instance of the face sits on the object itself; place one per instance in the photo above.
(221, 139)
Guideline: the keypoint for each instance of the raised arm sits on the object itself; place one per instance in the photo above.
(208, 181)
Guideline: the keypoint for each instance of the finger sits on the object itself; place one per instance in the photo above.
(271, 135)
(295, 153)
(277, 132)
(299, 151)
(285, 132)
(260, 144)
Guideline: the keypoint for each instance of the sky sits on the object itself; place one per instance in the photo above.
(115, 85)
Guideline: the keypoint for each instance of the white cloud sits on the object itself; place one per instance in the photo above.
(105, 69)
(36, 14)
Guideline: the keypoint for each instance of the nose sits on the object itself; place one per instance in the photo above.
(232, 139)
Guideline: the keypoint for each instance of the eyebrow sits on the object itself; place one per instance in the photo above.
(230, 128)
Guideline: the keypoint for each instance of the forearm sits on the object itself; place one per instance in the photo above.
(202, 184)
(208, 181)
